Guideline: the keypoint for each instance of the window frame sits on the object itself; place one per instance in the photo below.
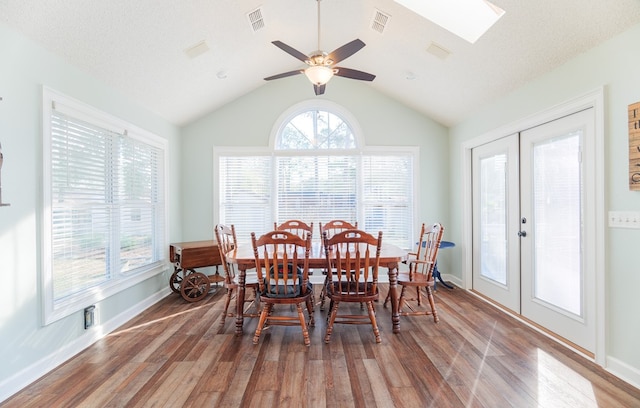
(55, 310)
(360, 151)
(319, 104)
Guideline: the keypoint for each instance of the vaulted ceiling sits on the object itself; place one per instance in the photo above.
(139, 47)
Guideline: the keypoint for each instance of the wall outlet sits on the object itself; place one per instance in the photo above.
(624, 219)
(89, 316)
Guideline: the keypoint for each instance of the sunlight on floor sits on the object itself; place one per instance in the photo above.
(484, 356)
(560, 386)
(152, 322)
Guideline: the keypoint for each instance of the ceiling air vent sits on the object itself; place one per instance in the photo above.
(438, 50)
(379, 21)
(256, 20)
(197, 49)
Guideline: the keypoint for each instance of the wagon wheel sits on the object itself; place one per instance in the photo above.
(195, 286)
(175, 281)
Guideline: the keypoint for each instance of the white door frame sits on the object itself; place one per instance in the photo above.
(595, 232)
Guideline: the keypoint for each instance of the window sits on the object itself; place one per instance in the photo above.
(318, 170)
(104, 212)
(468, 19)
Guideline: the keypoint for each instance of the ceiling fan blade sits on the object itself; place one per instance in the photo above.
(354, 74)
(284, 75)
(346, 51)
(319, 89)
(290, 50)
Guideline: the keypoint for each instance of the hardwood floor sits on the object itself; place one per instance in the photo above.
(176, 354)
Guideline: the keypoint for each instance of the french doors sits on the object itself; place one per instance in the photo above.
(496, 214)
(530, 209)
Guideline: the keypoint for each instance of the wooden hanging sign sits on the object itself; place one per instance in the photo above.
(634, 146)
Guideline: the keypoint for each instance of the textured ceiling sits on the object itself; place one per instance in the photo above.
(139, 47)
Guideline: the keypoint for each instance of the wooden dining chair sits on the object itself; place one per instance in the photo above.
(226, 239)
(331, 228)
(420, 274)
(282, 266)
(300, 228)
(334, 226)
(353, 258)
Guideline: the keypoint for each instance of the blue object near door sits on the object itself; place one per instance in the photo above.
(436, 272)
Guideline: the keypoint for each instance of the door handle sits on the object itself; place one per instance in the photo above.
(522, 233)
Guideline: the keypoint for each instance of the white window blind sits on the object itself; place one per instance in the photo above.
(387, 199)
(245, 194)
(105, 226)
(316, 189)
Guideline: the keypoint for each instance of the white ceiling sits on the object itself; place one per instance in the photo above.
(139, 47)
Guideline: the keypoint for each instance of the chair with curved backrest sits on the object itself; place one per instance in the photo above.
(334, 226)
(420, 274)
(300, 228)
(331, 228)
(226, 239)
(282, 266)
(353, 258)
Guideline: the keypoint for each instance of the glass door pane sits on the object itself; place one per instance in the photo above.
(493, 218)
(556, 207)
(496, 257)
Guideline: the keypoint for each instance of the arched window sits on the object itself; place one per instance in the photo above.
(321, 185)
(315, 129)
(318, 169)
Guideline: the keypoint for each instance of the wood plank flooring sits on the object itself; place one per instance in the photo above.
(176, 354)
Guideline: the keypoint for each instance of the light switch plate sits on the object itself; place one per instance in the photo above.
(624, 219)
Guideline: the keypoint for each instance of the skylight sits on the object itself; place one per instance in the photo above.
(468, 19)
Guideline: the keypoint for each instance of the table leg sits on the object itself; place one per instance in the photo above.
(393, 294)
(242, 275)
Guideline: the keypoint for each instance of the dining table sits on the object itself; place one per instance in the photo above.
(390, 258)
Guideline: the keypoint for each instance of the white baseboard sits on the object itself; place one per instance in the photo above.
(453, 279)
(623, 371)
(30, 374)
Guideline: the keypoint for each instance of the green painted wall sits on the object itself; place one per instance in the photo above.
(614, 65)
(25, 68)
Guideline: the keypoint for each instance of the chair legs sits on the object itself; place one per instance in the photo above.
(303, 324)
(332, 318)
(323, 294)
(266, 316)
(333, 314)
(402, 302)
(374, 323)
(401, 299)
(432, 303)
(386, 299)
(310, 303)
(266, 310)
(227, 301)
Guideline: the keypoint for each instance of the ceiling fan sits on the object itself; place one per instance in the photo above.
(321, 66)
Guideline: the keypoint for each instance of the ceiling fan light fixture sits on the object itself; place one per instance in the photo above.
(320, 64)
(319, 74)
